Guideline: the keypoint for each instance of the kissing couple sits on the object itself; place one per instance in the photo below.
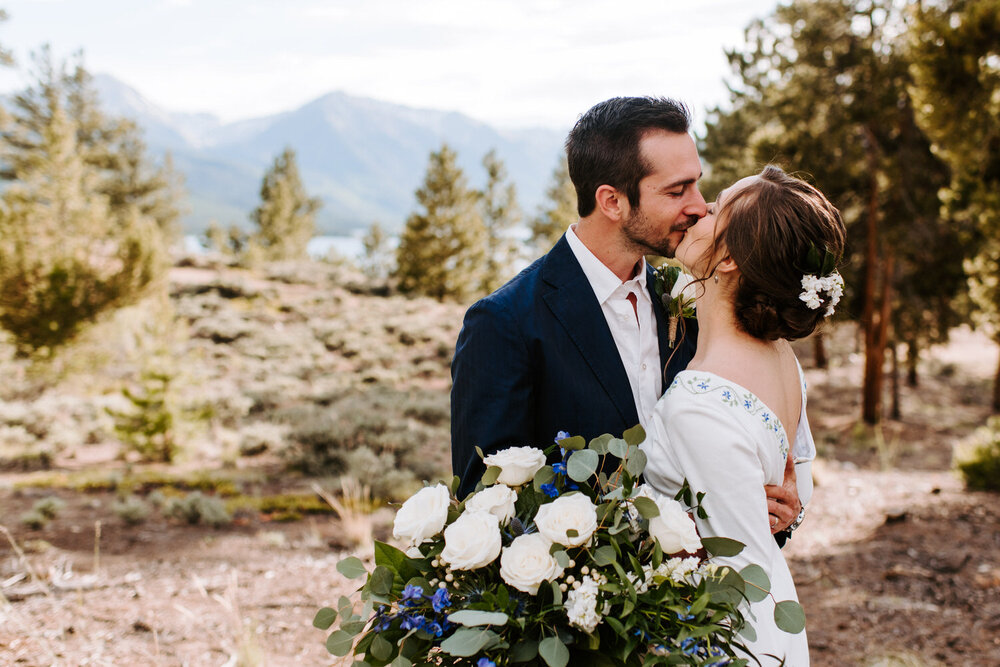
(579, 342)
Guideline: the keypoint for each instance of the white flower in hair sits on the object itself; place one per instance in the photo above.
(813, 286)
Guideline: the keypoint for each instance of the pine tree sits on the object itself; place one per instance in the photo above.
(66, 254)
(286, 215)
(377, 253)
(441, 252)
(955, 49)
(501, 214)
(560, 211)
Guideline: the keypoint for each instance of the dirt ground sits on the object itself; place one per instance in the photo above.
(895, 565)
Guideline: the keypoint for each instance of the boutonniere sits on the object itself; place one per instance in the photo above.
(670, 284)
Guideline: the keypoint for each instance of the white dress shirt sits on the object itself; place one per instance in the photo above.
(633, 329)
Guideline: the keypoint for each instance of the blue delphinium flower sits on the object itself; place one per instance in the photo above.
(440, 600)
(434, 628)
(689, 646)
(561, 435)
(685, 617)
(550, 490)
(412, 596)
(486, 662)
(382, 619)
(413, 622)
(559, 468)
(717, 652)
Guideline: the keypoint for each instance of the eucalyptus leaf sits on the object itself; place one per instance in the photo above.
(748, 632)
(553, 652)
(562, 557)
(788, 616)
(352, 567)
(400, 661)
(468, 641)
(574, 443)
(475, 617)
(636, 462)
(647, 507)
(339, 643)
(381, 649)
(456, 481)
(722, 546)
(618, 447)
(490, 476)
(600, 444)
(634, 435)
(325, 617)
(582, 464)
(758, 583)
(524, 650)
(353, 627)
(604, 555)
(545, 475)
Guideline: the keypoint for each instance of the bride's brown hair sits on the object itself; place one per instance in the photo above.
(773, 223)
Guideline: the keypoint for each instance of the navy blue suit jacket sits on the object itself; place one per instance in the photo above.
(537, 357)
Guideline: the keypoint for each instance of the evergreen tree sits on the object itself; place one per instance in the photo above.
(377, 253)
(955, 48)
(559, 212)
(441, 252)
(823, 88)
(286, 216)
(67, 254)
(501, 214)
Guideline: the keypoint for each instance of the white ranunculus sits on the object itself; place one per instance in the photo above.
(518, 465)
(526, 563)
(423, 515)
(572, 512)
(472, 541)
(497, 500)
(674, 529)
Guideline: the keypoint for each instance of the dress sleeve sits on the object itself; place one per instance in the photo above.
(717, 455)
(803, 449)
(492, 386)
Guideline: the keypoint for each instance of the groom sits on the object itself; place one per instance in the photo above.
(578, 341)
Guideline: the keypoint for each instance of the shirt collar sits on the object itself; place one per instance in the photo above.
(602, 280)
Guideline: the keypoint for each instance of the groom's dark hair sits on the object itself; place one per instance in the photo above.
(603, 146)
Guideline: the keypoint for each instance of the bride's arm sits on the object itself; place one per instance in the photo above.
(716, 455)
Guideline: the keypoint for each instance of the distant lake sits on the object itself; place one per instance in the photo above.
(348, 247)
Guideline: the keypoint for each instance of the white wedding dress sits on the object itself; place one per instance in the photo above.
(723, 439)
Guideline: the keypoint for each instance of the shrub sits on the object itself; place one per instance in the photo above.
(132, 510)
(34, 520)
(196, 508)
(978, 458)
(49, 506)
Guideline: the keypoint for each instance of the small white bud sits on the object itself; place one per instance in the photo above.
(584, 570)
(449, 577)
(563, 587)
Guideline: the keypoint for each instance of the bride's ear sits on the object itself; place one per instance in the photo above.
(727, 266)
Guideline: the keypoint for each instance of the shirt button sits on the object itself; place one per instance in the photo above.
(644, 367)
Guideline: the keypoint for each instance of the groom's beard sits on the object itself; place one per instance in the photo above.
(640, 233)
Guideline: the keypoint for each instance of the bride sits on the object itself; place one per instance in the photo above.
(764, 258)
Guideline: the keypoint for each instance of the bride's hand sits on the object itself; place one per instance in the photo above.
(783, 501)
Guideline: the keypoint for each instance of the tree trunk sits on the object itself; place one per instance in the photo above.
(912, 356)
(872, 384)
(894, 355)
(819, 351)
(996, 391)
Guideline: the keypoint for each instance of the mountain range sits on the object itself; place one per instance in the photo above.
(363, 157)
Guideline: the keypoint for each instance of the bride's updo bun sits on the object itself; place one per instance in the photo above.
(776, 225)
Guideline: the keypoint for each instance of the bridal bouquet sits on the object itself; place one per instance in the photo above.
(548, 564)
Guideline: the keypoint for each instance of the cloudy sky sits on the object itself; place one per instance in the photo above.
(513, 63)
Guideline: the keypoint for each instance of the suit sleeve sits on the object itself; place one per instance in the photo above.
(492, 404)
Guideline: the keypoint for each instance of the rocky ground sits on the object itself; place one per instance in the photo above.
(896, 563)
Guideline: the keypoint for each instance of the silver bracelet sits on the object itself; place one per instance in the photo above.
(798, 520)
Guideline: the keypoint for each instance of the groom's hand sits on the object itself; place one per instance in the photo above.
(783, 501)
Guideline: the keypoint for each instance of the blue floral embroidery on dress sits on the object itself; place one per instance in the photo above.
(750, 403)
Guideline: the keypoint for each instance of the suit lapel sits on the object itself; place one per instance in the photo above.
(574, 305)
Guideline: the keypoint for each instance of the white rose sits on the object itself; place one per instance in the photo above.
(684, 283)
(423, 515)
(497, 500)
(472, 541)
(674, 529)
(526, 563)
(572, 512)
(518, 465)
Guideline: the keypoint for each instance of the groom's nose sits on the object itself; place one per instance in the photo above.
(696, 206)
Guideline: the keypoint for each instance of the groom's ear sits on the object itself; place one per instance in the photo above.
(612, 203)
